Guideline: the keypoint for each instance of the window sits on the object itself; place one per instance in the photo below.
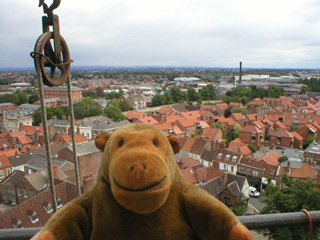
(59, 203)
(19, 191)
(1, 174)
(33, 216)
(248, 171)
(224, 166)
(234, 158)
(255, 173)
(25, 192)
(227, 157)
(47, 206)
(8, 171)
(31, 193)
(232, 169)
(220, 155)
(241, 169)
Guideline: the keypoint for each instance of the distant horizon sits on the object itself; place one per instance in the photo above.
(93, 67)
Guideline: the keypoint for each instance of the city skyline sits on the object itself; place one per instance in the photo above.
(191, 33)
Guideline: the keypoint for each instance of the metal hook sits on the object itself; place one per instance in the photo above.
(49, 10)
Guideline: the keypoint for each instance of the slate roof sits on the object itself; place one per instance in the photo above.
(85, 148)
(110, 127)
(181, 107)
(198, 146)
(13, 178)
(38, 162)
(21, 159)
(55, 148)
(40, 179)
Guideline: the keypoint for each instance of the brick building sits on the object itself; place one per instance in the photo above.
(251, 135)
(89, 157)
(62, 93)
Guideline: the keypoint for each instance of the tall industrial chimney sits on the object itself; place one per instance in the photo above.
(240, 73)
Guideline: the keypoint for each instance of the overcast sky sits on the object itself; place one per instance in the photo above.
(208, 33)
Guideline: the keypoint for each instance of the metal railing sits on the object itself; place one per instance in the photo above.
(254, 222)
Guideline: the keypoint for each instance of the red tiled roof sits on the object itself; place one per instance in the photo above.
(282, 133)
(307, 171)
(251, 129)
(148, 120)
(258, 123)
(252, 117)
(68, 138)
(177, 130)
(298, 136)
(187, 122)
(11, 152)
(134, 114)
(206, 174)
(16, 134)
(191, 115)
(189, 175)
(24, 139)
(188, 144)
(238, 116)
(163, 126)
(280, 125)
(187, 162)
(164, 110)
(171, 118)
(236, 142)
(212, 133)
(4, 161)
(229, 121)
(271, 158)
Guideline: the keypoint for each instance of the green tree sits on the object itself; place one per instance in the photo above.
(125, 106)
(293, 196)
(239, 110)
(22, 98)
(177, 95)
(242, 205)
(309, 140)
(33, 98)
(100, 92)
(218, 125)
(158, 100)
(114, 113)
(283, 158)
(37, 115)
(252, 147)
(193, 95)
(86, 107)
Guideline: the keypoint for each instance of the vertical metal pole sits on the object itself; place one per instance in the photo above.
(75, 156)
(46, 132)
(240, 73)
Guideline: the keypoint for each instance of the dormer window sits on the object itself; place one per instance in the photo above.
(227, 157)
(47, 206)
(16, 223)
(33, 216)
(234, 158)
(59, 203)
(220, 155)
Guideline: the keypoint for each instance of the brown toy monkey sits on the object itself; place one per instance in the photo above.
(140, 194)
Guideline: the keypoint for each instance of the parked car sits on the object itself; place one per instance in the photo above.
(253, 192)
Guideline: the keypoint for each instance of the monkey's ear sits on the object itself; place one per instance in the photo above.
(175, 143)
(101, 139)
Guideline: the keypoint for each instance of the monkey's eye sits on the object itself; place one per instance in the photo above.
(155, 142)
(120, 143)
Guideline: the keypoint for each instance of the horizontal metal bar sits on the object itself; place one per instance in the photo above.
(279, 220)
(261, 221)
